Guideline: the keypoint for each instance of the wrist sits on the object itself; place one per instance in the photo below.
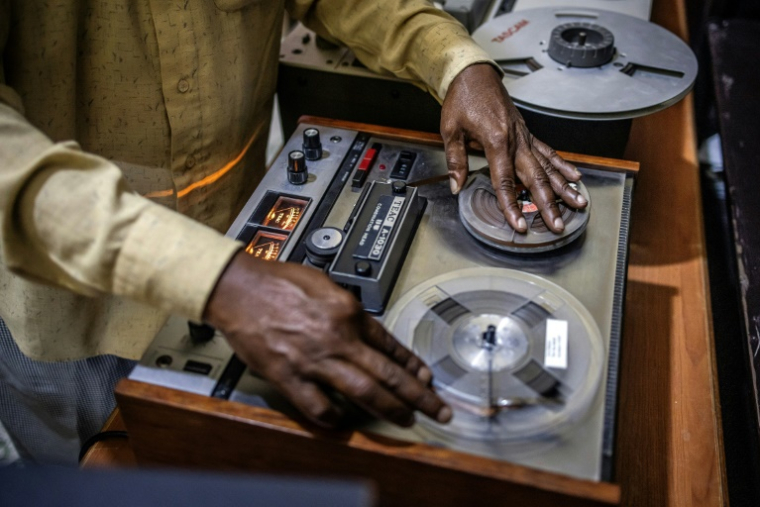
(241, 272)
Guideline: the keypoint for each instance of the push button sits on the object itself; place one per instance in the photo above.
(363, 268)
(403, 165)
(360, 176)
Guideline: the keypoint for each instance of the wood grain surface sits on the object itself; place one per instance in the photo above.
(111, 453)
(669, 450)
(169, 428)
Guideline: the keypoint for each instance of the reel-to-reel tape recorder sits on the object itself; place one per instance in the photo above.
(521, 330)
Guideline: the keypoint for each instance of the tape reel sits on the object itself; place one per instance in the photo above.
(591, 64)
(517, 357)
(481, 215)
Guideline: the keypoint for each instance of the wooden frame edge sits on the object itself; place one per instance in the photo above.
(263, 418)
(610, 164)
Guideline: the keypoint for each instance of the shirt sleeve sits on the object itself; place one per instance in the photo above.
(69, 219)
(410, 39)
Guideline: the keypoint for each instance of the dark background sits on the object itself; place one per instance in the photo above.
(725, 35)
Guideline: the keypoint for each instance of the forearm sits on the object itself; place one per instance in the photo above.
(408, 38)
(69, 219)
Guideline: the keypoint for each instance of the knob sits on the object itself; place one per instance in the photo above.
(297, 171)
(200, 333)
(312, 145)
(398, 187)
(323, 244)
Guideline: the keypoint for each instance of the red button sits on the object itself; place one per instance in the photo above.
(366, 162)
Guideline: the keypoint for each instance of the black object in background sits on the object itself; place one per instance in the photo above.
(399, 104)
(731, 105)
(69, 487)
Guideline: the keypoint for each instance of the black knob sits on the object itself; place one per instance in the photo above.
(312, 145)
(398, 187)
(323, 244)
(297, 171)
(200, 333)
(363, 268)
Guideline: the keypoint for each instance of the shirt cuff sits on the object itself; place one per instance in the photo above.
(172, 262)
(459, 52)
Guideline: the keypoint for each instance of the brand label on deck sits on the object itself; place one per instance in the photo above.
(377, 233)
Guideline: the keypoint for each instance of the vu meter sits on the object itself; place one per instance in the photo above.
(285, 213)
(271, 225)
(266, 245)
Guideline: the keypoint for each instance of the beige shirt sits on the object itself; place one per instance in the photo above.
(116, 115)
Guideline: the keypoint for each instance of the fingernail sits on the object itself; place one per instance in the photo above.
(559, 224)
(522, 224)
(580, 199)
(424, 375)
(454, 186)
(577, 173)
(444, 415)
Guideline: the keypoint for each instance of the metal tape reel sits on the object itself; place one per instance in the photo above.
(480, 214)
(647, 69)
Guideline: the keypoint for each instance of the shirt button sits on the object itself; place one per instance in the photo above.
(183, 86)
(189, 161)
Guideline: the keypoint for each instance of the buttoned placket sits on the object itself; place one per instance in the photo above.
(178, 53)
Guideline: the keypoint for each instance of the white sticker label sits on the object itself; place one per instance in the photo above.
(555, 355)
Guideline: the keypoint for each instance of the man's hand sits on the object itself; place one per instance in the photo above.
(477, 110)
(293, 326)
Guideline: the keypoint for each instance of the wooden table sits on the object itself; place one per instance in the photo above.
(111, 453)
(670, 443)
(669, 450)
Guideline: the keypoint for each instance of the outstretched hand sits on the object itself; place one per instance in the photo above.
(478, 112)
(293, 326)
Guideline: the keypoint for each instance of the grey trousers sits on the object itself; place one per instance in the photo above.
(50, 409)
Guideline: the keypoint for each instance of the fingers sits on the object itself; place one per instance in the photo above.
(403, 386)
(568, 170)
(541, 190)
(382, 388)
(381, 340)
(559, 184)
(473, 144)
(456, 160)
(503, 181)
(311, 401)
